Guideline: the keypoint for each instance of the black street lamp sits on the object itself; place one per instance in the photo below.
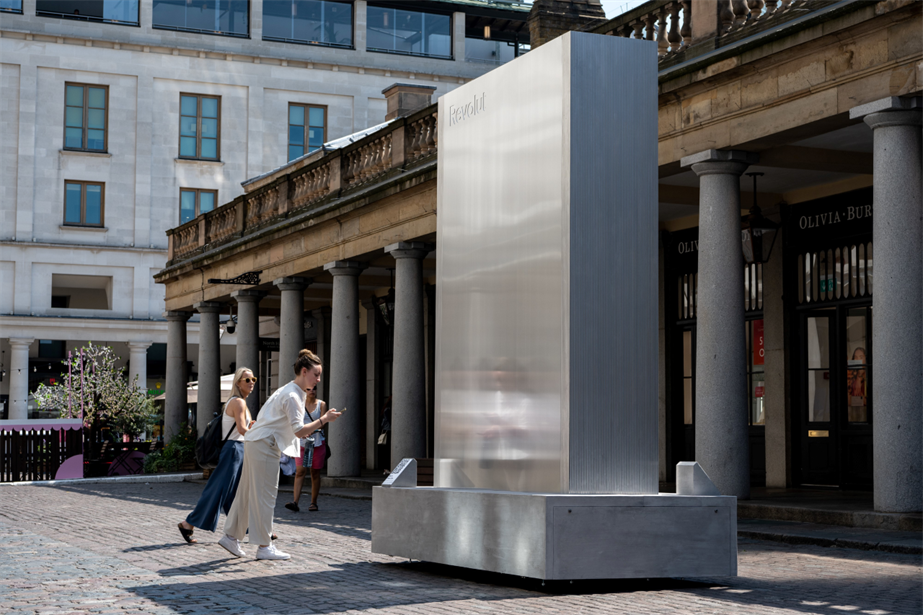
(759, 234)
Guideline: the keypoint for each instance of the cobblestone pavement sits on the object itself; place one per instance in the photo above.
(114, 548)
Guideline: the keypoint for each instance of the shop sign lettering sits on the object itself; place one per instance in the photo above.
(852, 212)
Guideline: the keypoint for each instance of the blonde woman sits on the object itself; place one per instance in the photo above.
(222, 483)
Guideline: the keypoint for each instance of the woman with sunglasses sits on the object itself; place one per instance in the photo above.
(314, 452)
(222, 483)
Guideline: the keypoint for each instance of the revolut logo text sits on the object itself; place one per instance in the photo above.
(460, 113)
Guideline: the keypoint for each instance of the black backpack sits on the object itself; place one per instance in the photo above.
(208, 446)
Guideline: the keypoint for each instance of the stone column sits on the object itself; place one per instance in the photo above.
(248, 337)
(175, 407)
(209, 396)
(722, 444)
(408, 382)
(897, 320)
(19, 377)
(291, 324)
(372, 386)
(776, 400)
(429, 335)
(344, 382)
(138, 362)
(321, 317)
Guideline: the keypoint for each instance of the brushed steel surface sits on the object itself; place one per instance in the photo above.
(559, 536)
(546, 372)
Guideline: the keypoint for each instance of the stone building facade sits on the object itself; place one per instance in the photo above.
(99, 113)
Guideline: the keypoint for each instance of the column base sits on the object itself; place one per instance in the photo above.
(559, 536)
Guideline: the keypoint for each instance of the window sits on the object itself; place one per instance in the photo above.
(199, 127)
(222, 17)
(109, 11)
(84, 203)
(489, 52)
(308, 21)
(306, 128)
(51, 349)
(409, 32)
(11, 6)
(85, 117)
(193, 202)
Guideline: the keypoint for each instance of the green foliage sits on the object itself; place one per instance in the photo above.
(180, 450)
(95, 387)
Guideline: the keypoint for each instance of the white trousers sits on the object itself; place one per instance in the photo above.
(256, 495)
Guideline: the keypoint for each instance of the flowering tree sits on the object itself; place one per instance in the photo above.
(94, 389)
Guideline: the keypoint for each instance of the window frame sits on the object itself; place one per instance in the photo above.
(198, 192)
(198, 136)
(83, 203)
(12, 11)
(288, 135)
(89, 18)
(390, 6)
(85, 127)
(156, 26)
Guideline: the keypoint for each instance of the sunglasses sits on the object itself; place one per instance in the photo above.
(253, 380)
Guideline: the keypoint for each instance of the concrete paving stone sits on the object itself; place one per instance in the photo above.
(62, 546)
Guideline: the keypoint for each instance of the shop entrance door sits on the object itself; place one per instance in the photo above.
(835, 394)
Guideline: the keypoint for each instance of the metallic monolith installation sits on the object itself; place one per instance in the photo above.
(546, 458)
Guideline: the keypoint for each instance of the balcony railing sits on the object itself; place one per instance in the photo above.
(296, 188)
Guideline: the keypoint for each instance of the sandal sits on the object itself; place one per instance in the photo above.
(312, 507)
(292, 506)
(187, 534)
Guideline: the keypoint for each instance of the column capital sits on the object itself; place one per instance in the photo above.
(21, 341)
(248, 296)
(177, 316)
(345, 267)
(409, 249)
(292, 283)
(139, 346)
(208, 307)
(888, 112)
(719, 161)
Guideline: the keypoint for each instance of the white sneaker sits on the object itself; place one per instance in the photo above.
(271, 552)
(232, 545)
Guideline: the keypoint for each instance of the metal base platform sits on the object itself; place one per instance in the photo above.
(559, 536)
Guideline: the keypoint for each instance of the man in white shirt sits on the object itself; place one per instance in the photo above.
(278, 427)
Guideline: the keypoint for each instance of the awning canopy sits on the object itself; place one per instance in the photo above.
(192, 390)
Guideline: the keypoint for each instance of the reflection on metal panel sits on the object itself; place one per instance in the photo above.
(546, 241)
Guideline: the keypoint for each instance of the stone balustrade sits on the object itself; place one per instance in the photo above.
(670, 24)
(306, 184)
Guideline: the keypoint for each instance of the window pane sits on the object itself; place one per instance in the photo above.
(296, 115)
(96, 139)
(74, 95)
(11, 5)
(295, 151)
(187, 126)
(818, 396)
(187, 146)
(73, 138)
(315, 137)
(209, 128)
(206, 201)
(72, 204)
(857, 362)
(96, 118)
(296, 135)
(188, 105)
(209, 107)
(758, 416)
(73, 116)
(96, 98)
(338, 27)
(121, 10)
(186, 206)
(408, 31)
(94, 207)
(316, 117)
(687, 401)
(437, 33)
(818, 343)
(209, 148)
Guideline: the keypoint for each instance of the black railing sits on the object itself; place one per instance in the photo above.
(36, 454)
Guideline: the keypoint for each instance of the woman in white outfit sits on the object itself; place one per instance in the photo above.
(278, 427)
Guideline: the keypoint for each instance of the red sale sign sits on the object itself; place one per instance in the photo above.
(758, 353)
